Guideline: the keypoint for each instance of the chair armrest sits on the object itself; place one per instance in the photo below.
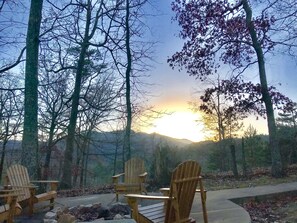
(164, 191)
(142, 177)
(150, 197)
(115, 178)
(199, 191)
(10, 195)
(44, 181)
(9, 198)
(143, 174)
(53, 183)
(118, 175)
(25, 186)
(132, 200)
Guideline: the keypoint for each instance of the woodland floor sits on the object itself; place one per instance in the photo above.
(278, 209)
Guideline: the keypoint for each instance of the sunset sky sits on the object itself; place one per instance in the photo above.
(174, 90)
(171, 91)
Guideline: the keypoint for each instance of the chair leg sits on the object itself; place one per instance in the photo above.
(12, 207)
(31, 207)
(132, 202)
(203, 201)
(143, 189)
(31, 201)
(52, 200)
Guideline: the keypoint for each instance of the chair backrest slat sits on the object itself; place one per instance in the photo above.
(183, 186)
(133, 168)
(18, 176)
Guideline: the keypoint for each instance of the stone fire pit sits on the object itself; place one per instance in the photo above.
(89, 213)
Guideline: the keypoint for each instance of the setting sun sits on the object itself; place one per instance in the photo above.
(181, 125)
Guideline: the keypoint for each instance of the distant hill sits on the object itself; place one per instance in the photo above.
(158, 138)
(104, 146)
(106, 143)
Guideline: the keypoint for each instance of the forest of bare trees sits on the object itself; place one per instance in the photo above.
(73, 69)
(70, 70)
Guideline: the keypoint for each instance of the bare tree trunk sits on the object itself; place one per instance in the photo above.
(77, 164)
(234, 163)
(276, 167)
(30, 157)
(68, 155)
(116, 153)
(82, 169)
(48, 152)
(244, 165)
(127, 137)
(86, 166)
(2, 157)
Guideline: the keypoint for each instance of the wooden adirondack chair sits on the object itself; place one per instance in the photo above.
(176, 207)
(202, 192)
(17, 177)
(9, 207)
(134, 178)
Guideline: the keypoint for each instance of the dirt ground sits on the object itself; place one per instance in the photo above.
(280, 209)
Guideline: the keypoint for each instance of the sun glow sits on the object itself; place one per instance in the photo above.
(181, 125)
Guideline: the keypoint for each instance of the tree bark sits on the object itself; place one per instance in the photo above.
(244, 165)
(68, 154)
(30, 157)
(234, 163)
(83, 172)
(86, 165)
(127, 136)
(48, 151)
(3, 152)
(276, 167)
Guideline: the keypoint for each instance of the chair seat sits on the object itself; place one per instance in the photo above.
(153, 213)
